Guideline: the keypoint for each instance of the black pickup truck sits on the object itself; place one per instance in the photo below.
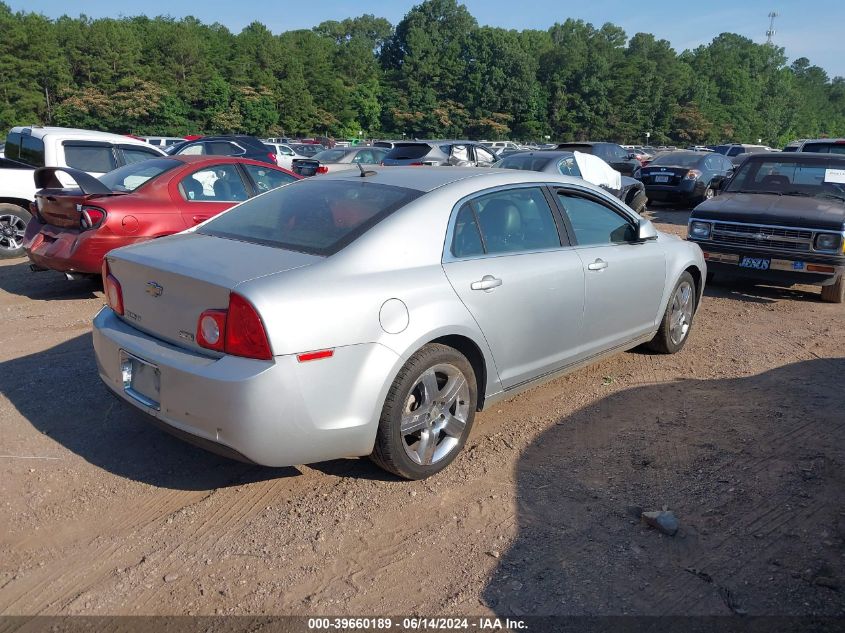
(780, 220)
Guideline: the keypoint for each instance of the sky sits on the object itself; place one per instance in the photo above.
(805, 28)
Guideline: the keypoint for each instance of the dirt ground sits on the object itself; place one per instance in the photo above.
(741, 435)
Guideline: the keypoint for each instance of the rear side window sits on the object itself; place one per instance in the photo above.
(510, 221)
(222, 148)
(315, 216)
(91, 158)
(568, 167)
(130, 177)
(25, 149)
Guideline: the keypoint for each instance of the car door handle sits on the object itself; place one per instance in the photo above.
(599, 264)
(488, 282)
(200, 218)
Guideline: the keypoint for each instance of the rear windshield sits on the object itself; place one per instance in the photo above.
(677, 160)
(406, 151)
(527, 162)
(306, 149)
(330, 155)
(130, 177)
(313, 216)
(824, 148)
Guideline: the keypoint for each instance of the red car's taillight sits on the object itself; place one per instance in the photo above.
(272, 158)
(238, 331)
(322, 169)
(111, 286)
(91, 217)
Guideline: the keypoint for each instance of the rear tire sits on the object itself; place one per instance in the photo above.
(677, 320)
(13, 221)
(427, 414)
(835, 292)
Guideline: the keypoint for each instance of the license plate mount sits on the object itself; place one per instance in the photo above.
(141, 380)
(755, 263)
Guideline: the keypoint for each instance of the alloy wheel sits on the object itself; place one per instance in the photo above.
(435, 415)
(12, 229)
(680, 318)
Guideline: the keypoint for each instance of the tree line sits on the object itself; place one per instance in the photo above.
(437, 73)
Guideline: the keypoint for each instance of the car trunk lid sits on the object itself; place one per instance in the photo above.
(168, 283)
(663, 175)
(63, 207)
(305, 166)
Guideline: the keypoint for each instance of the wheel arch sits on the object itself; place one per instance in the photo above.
(19, 202)
(474, 355)
(696, 274)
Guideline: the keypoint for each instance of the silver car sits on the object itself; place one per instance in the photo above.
(373, 313)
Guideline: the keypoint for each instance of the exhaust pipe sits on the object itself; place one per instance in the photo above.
(36, 268)
(76, 276)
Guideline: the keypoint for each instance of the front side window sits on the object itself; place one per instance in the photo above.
(509, 221)
(91, 158)
(459, 154)
(483, 156)
(266, 179)
(568, 167)
(595, 223)
(315, 216)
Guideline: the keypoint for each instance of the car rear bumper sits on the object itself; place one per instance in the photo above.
(69, 250)
(784, 269)
(686, 190)
(275, 413)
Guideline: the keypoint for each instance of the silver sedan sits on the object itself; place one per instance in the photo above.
(373, 313)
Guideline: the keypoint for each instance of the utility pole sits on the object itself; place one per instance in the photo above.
(771, 31)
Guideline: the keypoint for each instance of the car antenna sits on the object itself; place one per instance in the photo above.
(364, 172)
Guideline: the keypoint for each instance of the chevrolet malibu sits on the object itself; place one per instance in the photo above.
(373, 313)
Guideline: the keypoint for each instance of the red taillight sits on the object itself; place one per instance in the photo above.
(211, 330)
(91, 217)
(323, 353)
(322, 169)
(416, 164)
(237, 331)
(272, 157)
(111, 286)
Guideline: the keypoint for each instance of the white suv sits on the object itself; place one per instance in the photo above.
(28, 148)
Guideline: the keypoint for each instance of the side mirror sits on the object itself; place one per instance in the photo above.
(631, 155)
(646, 231)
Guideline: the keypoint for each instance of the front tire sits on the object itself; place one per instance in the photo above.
(13, 221)
(677, 320)
(428, 413)
(835, 292)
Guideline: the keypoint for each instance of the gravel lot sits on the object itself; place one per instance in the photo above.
(741, 435)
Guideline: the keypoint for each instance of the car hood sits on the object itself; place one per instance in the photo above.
(759, 208)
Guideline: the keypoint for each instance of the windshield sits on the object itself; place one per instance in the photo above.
(130, 177)
(791, 177)
(677, 160)
(825, 148)
(330, 155)
(314, 216)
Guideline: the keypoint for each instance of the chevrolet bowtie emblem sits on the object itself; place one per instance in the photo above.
(154, 289)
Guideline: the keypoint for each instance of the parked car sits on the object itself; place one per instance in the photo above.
(338, 159)
(350, 316)
(823, 146)
(238, 145)
(440, 153)
(34, 146)
(623, 161)
(286, 152)
(684, 176)
(779, 220)
(734, 149)
(73, 228)
(591, 168)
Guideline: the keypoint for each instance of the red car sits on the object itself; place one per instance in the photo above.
(73, 228)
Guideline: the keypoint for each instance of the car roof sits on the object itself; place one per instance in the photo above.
(546, 153)
(815, 141)
(427, 179)
(40, 132)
